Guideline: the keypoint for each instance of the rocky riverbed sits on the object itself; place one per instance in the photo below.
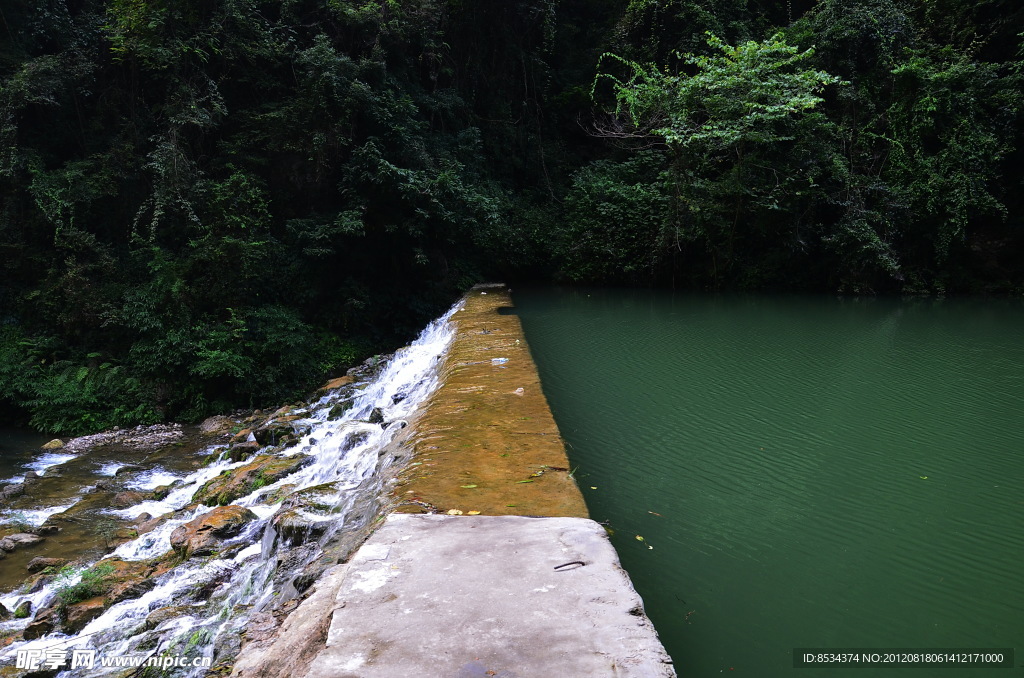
(152, 524)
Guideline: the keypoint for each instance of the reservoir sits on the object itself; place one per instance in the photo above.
(798, 472)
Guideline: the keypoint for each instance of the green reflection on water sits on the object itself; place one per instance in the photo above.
(828, 472)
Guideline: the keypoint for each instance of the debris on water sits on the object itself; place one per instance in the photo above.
(499, 361)
(654, 513)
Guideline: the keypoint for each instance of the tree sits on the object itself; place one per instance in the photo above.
(736, 123)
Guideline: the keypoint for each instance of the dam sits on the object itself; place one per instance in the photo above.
(417, 516)
(489, 565)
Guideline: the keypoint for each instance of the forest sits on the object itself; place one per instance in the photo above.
(214, 204)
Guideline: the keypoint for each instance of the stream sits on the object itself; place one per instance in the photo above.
(259, 574)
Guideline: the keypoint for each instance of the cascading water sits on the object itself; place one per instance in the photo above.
(210, 600)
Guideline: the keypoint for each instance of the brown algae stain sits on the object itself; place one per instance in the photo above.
(486, 441)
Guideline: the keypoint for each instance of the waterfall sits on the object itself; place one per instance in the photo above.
(259, 571)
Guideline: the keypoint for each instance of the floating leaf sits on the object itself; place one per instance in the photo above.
(520, 482)
(639, 538)
(592, 487)
(511, 505)
(467, 487)
(472, 513)
(923, 477)
(454, 512)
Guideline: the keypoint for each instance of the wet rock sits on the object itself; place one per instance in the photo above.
(127, 499)
(202, 536)
(278, 494)
(338, 410)
(276, 429)
(81, 509)
(45, 530)
(24, 610)
(45, 622)
(127, 468)
(40, 563)
(5, 614)
(146, 526)
(241, 451)
(19, 540)
(39, 582)
(102, 486)
(31, 477)
(261, 471)
(261, 626)
(77, 615)
(376, 416)
(139, 438)
(295, 528)
(54, 444)
(125, 579)
(216, 425)
(142, 518)
(335, 384)
(160, 493)
(242, 436)
(162, 614)
(12, 491)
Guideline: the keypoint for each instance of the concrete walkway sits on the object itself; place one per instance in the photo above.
(474, 597)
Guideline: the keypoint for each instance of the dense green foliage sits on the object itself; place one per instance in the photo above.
(210, 204)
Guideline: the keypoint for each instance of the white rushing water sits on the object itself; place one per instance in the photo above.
(48, 460)
(215, 596)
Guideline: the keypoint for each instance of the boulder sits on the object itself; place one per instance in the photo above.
(262, 471)
(242, 451)
(40, 563)
(19, 540)
(150, 524)
(305, 513)
(276, 429)
(24, 610)
(11, 491)
(216, 425)
(376, 416)
(125, 579)
(127, 468)
(44, 622)
(77, 615)
(127, 499)
(202, 536)
(54, 444)
(242, 436)
(297, 528)
(335, 384)
(5, 614)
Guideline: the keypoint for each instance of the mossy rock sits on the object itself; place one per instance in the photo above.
(261, 471)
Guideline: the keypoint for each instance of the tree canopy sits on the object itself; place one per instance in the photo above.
(214, 204)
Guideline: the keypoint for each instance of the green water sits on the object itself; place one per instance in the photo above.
(828, 472)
